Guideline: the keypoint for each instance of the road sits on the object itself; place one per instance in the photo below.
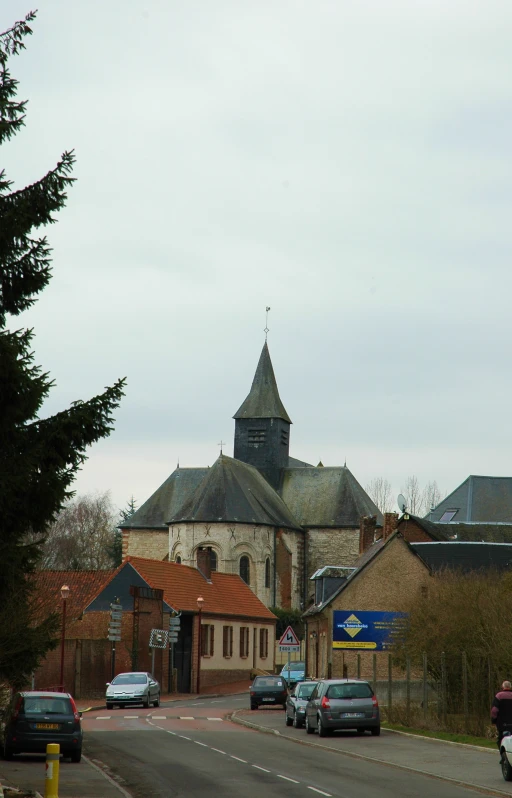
(191, 749)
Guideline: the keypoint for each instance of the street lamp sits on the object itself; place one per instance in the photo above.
(199, 602)
(64, 593)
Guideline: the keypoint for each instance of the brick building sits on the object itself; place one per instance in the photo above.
(269, 517)
(238, 631)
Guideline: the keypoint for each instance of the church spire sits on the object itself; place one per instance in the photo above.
(263, 400)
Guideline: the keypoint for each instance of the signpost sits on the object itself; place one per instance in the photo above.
(174, 628)
(114, 631)
(159, 638)
(289, 642)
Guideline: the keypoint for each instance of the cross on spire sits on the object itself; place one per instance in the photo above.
(266, 330)
(221, 444)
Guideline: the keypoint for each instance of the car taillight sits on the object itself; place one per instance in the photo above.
(375, 702)
(253, 692)
(325, 703)
(75, 710)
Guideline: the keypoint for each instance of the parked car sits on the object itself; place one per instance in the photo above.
(35, 718)
(506, 756)
(268, 690)
(132, 688)
(296, 673)
(342, 704)
(296, 703)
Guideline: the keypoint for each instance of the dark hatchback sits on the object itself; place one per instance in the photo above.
(268, 690)
(33, 719)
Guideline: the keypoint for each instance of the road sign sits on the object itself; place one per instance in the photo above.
(289, 641)
(173, 638)
(175, 622)
(158, 638)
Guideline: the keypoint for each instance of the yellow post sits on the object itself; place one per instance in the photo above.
(51, 787)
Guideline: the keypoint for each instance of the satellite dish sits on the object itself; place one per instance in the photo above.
(402, 502)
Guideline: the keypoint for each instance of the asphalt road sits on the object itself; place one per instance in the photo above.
(191, 749)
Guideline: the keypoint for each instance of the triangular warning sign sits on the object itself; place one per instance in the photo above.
(289, 638)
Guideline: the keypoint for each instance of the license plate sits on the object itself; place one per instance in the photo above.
(352, 715)
(47, 725)
(269, 699)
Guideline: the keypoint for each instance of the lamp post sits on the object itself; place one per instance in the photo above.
(64, 593)
(200, 602)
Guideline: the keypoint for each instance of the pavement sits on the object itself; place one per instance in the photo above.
(464, 765)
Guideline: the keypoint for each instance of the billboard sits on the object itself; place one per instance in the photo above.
(373, 631)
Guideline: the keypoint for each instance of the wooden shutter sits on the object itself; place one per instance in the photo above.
(241, 641)
(212, 638)
(225, 630)
(230, 641)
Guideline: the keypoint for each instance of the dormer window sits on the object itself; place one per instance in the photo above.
(447, 516)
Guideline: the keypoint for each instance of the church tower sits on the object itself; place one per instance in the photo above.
(262, 425)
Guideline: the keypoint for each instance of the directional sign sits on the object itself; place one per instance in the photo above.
(175, 622)
(289, 641)
(173, 638)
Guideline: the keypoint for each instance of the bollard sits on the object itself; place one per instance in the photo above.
(51, 786)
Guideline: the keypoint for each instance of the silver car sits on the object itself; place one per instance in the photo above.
(296, 704)
(342, 704)
(133, 688)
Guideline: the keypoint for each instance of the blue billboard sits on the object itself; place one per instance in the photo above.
(373, 631)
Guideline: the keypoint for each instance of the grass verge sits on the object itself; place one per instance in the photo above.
(467, 739)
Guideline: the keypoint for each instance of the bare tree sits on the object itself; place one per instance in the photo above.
(413, 495)
(431, 496)
(379, 489)
(82, 535)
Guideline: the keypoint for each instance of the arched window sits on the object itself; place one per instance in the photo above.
(245, 570)
(267, 572)
(213, 559)
(178, 559)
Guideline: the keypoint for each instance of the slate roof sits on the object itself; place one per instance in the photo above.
(491, 533)
(226, 594)
(464, 556)
(478, 499)
(83, 587)
(263, 400)
(164, 502)
(326, 497)
(233, 491)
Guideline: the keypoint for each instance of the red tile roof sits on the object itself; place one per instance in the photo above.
(83, 587)
(226, 594)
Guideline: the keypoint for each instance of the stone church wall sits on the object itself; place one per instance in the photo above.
(231, 541)
(151, 543)
(328, 546)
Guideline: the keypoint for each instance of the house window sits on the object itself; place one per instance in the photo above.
(256, 437)
(213, 558)
(267, 572)
(227, 641)
(244, 641)
(263, 643)
(245, 569)
(178, 559)
(447, 516)
(207, 640)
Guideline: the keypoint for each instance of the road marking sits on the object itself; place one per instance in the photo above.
(263, 769)
(173, 733)
(320, 791)
(213, 718)
(158, 717)
(203, 744)
(103, 717)
(131, 717)
(199, 704)
(219, 751)
(183, 737)
(185, 717)
(214, 702)
(294, 781)
(241, 760)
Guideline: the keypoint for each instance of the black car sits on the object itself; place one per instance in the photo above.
(296, 704)
(34, 718)
(268, 690)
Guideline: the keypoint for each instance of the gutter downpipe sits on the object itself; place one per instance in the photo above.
(304, 595)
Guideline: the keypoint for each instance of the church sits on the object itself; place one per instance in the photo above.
(270, 518)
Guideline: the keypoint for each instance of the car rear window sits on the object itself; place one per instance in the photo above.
(268, 682)
(362, 690)
(46, 705)
(305, 690)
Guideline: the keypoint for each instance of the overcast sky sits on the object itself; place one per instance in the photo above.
(346, 163)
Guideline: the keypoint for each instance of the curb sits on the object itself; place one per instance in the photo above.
(438, 740)
(457, 782)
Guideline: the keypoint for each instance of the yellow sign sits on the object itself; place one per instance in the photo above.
(350, 644)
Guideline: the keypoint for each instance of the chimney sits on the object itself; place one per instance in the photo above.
(367, 526)
(204, 563)
(390, 524)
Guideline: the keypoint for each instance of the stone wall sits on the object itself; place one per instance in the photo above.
(150, 543)
(328, 546)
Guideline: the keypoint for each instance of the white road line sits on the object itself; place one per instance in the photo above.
(213, 718)
(158, 717)
(241, 760)
(103, 717)
(219, 751)
(320, 791)
(239, 699)
(185, 717)
(263, 769)
(183, 737)
(199, 704)
(214, 702)
(203, 744)
(131, 717)
(294, 781)
(173, 733)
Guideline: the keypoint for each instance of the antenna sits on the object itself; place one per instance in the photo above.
(402, 502)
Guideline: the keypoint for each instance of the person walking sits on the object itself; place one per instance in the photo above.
(501, 710)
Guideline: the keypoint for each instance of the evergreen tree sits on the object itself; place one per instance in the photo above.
(39, 457)
(115, 550)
